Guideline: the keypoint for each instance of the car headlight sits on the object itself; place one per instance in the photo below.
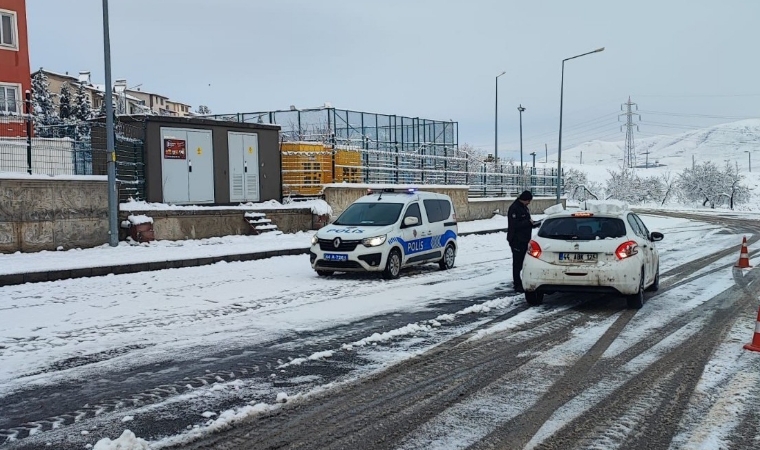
(314, 240)
(373, 241)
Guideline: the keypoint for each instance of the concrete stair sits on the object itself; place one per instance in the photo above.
(260, 224)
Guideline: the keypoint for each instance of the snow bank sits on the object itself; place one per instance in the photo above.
(127, 441)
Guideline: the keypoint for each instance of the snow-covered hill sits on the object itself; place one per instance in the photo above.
(734, 143)
(719, 143)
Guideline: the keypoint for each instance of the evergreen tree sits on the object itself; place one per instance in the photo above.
(82, 109)
(44, 109)
(64, 102)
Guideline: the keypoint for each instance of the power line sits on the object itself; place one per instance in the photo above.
(706, 116)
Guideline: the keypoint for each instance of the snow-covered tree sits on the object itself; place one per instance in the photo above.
(64, 102)
(203, 109)
(578, 187)
(703, 183)
(732, 190)
(44, 110)
(82, 108)
(669, 184)
(625, 186)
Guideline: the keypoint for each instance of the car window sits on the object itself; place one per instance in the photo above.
(635, 226)
(370, 214)
(641, 225)
(414, 211)
(582, 228)
(437, 210)
(445, 209)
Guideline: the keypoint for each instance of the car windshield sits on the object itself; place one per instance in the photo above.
(370, 214)
(582, 228)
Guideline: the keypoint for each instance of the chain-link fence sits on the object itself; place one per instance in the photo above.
(328, 145)
(73, 148)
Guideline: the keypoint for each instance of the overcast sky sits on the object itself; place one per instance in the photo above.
(434, 59)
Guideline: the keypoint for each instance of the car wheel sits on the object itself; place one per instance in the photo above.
(534, 298)
(636, 301)
(447, 262)
(324, 273)
(393, 265)
(656, 283)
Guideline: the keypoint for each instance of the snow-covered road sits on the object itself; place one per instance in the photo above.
(101, 333)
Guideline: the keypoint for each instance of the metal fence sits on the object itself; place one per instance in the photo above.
(73, 148)
(326, 145)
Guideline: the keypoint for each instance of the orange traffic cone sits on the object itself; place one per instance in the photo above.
(743, 256)
(755, 344)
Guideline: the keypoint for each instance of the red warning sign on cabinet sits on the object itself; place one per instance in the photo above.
(175, 149)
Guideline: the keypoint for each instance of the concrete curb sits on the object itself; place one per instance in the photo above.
(121, 269)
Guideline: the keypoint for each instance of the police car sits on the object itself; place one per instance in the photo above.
(387, 230)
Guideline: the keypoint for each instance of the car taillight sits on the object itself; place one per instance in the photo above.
(534, 249)
(627, 249)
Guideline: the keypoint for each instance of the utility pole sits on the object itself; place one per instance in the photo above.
(521, 109)
(113, 206)
(581, 157)
(646, 163)
(533, 154)
(629, 158)
(546, 155)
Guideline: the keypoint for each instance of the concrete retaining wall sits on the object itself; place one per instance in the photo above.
(174, 225)
(339, 196)
(44, 214)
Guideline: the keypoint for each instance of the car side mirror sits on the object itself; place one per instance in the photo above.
(656, 236)
(410, 221)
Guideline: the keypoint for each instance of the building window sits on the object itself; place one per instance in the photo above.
(8, 29)
(9, 100)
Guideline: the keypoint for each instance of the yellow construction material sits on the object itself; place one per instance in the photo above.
(307, 166)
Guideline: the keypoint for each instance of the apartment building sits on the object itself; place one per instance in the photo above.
(14, 65)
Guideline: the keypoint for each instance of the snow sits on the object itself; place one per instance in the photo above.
(26, 176)
(182, 311)
(558, 208)
(604, 206)
(179, 310)
(317, 206)
(731, 142)
(139, 219)
(127, 441)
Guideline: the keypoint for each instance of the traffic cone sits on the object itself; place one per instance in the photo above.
(755, 344)
(743, 256)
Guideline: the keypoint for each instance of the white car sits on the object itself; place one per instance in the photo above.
(603, 247)
(386, 231)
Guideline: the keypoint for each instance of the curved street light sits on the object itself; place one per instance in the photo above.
(561, 92)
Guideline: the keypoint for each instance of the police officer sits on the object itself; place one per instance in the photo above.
(519, 226)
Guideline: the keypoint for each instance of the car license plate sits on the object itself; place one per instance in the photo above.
(577, 257)
(335, 257)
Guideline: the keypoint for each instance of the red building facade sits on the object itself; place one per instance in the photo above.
(14, 65)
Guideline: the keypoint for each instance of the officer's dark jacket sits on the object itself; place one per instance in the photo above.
(519, 225)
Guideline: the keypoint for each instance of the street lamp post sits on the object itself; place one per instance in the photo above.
(749, 155)
(113, 229)
(561, 93)
(533, 154)
(521, 109)
(496, 122)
